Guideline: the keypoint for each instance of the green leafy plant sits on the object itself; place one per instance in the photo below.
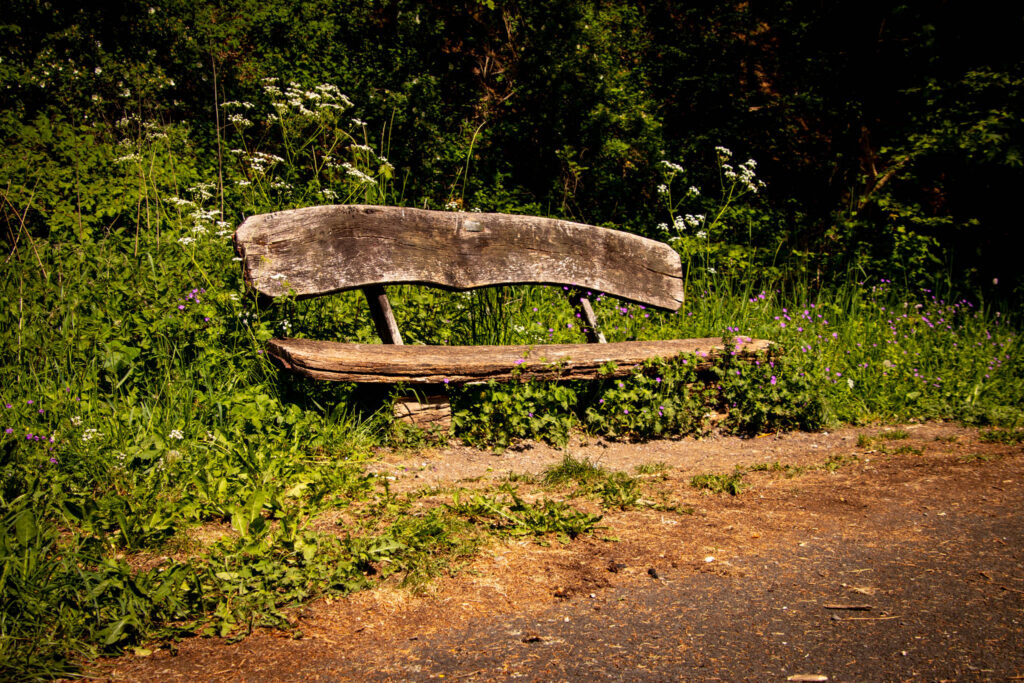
(719, 483)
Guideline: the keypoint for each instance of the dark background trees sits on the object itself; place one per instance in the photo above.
(889, 135)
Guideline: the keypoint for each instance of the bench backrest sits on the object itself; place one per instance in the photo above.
(324, 249)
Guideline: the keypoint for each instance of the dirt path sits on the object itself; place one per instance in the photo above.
(904, 563)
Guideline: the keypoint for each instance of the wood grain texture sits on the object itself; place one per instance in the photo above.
(324, 249)
(430, 412)
(376, 363)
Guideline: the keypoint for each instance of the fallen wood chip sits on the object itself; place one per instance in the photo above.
(858, 608)
(808, 678)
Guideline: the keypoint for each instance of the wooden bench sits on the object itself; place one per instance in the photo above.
(326, 249)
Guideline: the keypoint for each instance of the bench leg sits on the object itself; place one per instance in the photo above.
(425, 412)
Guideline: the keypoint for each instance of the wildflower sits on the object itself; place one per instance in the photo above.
(663, 189)
(9, 430)
(773, 380)
(176, 434)
(723, 152)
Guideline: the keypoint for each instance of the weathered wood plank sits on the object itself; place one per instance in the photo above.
(324, 249)
(376, 363)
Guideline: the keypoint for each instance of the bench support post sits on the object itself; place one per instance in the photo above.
(383, 317)
(585, 312)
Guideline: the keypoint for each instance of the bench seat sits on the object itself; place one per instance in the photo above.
(415, 364)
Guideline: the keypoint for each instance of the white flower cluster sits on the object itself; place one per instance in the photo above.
(746, 176)
(357, 174)
(176, 434)
(671, 166)
(681, 223)
(202, 191)
(90, 434)
(203, 220)
(294, 99)
(261, 161)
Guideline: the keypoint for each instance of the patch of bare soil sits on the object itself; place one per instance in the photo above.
(903, 559)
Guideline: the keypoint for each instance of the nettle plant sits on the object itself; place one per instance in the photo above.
(695, 234)
(303, 147)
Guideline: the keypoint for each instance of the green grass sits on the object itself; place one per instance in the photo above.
(1004, 436)
(581, 472)
(652, 469)
(731, 483)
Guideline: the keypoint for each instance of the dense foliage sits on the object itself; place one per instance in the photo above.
(889, 135)
(158, 477)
